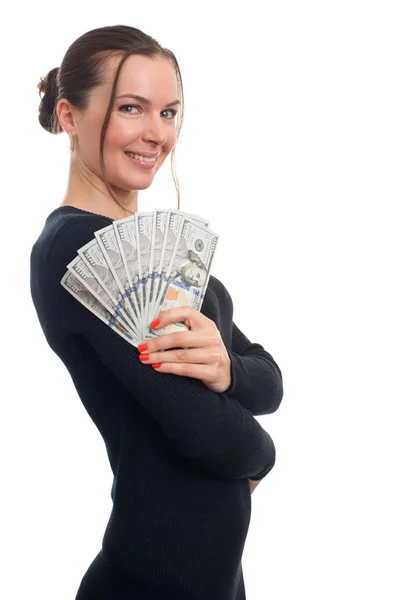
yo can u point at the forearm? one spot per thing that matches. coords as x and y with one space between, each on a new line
256 380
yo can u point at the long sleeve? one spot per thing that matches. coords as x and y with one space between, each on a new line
256 380
213 430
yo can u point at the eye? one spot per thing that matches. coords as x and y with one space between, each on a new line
171 110
121 108
126 106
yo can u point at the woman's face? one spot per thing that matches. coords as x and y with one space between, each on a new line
134 125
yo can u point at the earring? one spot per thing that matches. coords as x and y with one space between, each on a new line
72 145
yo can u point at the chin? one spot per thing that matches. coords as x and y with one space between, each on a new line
134 183
139 186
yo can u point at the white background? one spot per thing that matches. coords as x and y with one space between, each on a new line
290 148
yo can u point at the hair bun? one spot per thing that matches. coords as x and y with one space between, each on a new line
49 87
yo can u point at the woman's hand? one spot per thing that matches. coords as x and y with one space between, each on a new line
201 352
253 484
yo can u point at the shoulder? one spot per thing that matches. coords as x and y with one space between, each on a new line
65 234
62 236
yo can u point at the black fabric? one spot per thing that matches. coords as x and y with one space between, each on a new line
181 455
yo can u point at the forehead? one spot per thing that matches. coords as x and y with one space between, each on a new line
154 78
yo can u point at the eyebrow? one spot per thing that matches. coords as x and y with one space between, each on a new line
145 100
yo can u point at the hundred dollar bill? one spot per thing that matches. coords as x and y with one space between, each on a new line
144 227
161 251
82 294
125 231
108 243
188 269
158 231
94 258
83 274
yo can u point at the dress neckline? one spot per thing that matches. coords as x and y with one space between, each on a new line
69 207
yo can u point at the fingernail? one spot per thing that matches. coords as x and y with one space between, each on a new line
156 365
142 347
144 356
154 323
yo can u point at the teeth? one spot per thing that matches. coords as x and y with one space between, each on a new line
143 158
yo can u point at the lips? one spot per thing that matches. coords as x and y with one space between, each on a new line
144 154
145 164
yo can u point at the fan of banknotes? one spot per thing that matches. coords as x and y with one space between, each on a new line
138 266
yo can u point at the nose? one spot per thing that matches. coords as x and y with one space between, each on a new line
154 130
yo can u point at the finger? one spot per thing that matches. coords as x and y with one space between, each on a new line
202 356
203 372
180 339
192 318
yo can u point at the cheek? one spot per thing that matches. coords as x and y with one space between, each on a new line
169 145
172 139
91 131
120 135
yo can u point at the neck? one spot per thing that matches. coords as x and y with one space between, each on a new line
87 191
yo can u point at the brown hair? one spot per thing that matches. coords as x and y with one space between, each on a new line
82 69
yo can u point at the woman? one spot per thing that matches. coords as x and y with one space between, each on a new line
183 444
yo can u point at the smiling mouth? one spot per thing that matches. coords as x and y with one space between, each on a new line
146 164
142 158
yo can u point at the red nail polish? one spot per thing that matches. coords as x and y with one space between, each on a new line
142 347
156 365
154 323
144 356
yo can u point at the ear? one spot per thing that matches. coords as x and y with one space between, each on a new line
66 116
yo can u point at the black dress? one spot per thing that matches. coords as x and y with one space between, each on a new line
181 455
